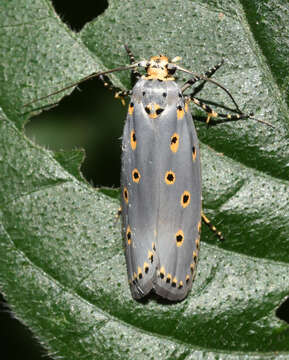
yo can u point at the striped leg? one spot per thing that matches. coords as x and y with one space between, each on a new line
207 74
117 216
119 94
212 227
130 54
135 75
214 114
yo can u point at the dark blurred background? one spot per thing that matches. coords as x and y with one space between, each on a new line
85 119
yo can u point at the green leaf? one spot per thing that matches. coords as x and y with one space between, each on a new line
71 161
62 267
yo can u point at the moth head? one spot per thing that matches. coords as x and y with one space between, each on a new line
160 67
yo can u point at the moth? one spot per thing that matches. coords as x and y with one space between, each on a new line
161 184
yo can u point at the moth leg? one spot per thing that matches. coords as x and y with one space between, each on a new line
213 114
117 216
212 227
135 75
119 94
207 74
130 54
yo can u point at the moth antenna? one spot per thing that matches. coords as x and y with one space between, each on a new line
261 121
91 76
212 81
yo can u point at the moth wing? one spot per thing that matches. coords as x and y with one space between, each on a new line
179 215
139 206
161 192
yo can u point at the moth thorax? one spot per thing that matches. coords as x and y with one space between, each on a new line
158 68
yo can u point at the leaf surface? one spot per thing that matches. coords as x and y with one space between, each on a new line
62 267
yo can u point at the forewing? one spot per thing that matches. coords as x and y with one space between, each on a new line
139 204
179 215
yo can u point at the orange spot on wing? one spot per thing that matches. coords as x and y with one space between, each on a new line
186 107
128 235
133 140
185 199
136 176
194 153
125 195
170 177
179 238
131 108
175 142
180 112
